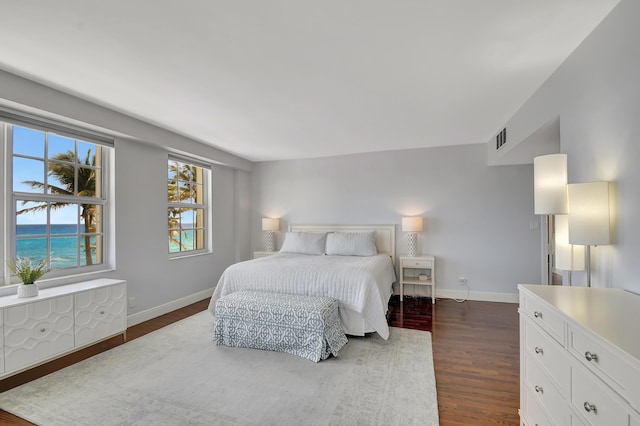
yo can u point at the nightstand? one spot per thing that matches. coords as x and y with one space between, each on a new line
258 254
413 267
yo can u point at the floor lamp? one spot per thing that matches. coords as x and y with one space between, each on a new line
568 257
589 217
550 192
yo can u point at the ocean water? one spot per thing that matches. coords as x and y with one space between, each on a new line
64 244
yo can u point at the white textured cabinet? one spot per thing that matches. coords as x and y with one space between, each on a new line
579 356
99 313
37 331
58 321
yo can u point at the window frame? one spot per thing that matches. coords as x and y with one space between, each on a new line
205 205
106 147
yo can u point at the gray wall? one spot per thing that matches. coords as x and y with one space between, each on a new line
157 283
477 217
596 95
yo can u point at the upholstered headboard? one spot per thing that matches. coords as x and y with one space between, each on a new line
385 234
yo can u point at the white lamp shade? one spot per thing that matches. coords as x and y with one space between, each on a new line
269 224
589 213
412 224
569 257
550 184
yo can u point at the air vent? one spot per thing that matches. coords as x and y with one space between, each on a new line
501 139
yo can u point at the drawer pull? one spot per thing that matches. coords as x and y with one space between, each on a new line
42 330
538 388
589 407
538 350
537 314
590 357
101 312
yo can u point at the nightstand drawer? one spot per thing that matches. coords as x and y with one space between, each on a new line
408 263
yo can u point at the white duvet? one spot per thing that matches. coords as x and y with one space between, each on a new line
361 284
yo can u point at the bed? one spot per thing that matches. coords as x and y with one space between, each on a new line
362 283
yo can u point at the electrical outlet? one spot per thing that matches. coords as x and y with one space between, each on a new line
132 302
462 280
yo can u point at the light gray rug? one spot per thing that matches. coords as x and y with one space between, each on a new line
178 376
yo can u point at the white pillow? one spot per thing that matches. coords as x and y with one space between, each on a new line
351 244
304 242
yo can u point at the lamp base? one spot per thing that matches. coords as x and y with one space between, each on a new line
271 244
412 244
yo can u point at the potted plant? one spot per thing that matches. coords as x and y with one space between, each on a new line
28 273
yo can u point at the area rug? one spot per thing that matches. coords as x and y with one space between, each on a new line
178 376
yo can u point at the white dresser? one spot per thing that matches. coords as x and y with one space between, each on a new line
579 356
58 321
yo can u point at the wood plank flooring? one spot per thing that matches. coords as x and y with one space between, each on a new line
475 350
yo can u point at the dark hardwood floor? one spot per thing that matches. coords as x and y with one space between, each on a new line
475 351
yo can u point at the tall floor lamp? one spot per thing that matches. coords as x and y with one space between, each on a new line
589 217
550 191
568 257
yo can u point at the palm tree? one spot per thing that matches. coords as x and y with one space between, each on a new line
64 171
182 173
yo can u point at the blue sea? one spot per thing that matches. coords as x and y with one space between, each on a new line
64 245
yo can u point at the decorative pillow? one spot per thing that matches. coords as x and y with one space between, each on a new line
351 244
304 242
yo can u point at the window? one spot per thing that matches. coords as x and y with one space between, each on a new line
58 203
187 211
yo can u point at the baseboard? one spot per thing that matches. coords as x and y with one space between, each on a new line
152 313
477 295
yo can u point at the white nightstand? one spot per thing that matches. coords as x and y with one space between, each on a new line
411 267
258 254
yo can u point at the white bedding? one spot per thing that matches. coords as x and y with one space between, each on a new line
360 284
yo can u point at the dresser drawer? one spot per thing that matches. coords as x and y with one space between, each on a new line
533 412
410 263
549 354
544 316
595 402
611 366
543 389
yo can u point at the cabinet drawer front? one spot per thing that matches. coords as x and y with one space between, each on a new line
611 367
37 331
597 404
551 356
99 313
417 263
533 413
544 316
543 389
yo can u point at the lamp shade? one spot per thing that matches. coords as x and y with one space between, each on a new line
550 184
412 224
568 257
589 214
269 224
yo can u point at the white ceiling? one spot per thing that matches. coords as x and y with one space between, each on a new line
282 79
